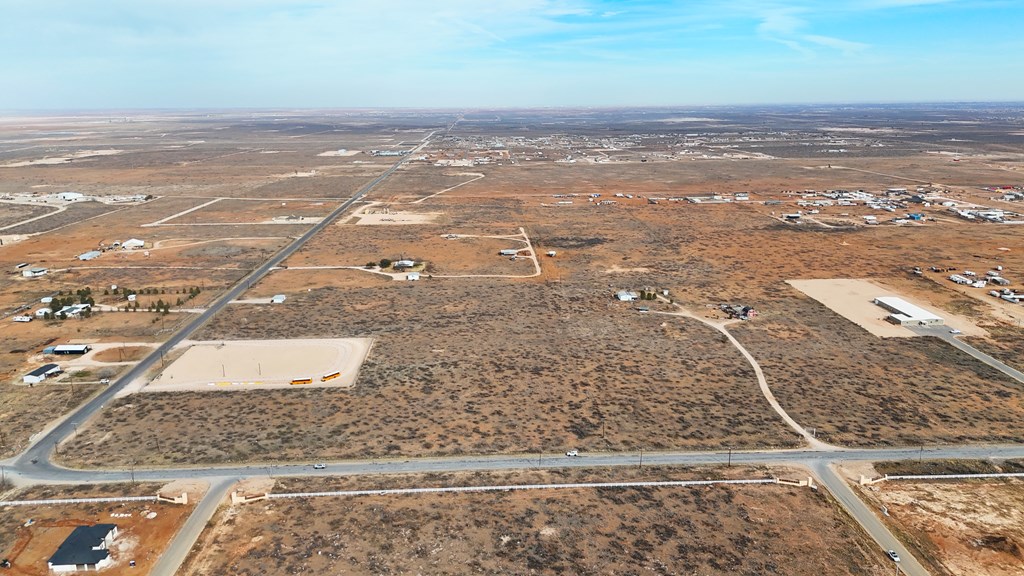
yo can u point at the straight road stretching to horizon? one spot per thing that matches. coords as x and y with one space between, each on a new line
38 453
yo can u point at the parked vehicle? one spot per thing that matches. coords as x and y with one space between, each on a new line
572 453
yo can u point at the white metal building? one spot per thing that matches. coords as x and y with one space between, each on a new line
904 313
39 374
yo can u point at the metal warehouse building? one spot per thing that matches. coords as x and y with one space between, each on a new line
904 313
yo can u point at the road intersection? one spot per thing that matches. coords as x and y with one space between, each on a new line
34 466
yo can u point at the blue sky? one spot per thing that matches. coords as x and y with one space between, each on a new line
473 53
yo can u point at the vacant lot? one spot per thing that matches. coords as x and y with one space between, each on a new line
25 411
144 532
972 528
234 211
15 213
748 530
451 373
855 388
74 213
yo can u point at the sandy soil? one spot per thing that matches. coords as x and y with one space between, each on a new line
714 530
242 365
853 299
376 215
115 353
967 528
144 532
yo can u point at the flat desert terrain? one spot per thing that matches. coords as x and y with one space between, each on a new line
699 530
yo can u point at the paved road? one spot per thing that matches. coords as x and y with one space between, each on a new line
943 333
864 516
49 473
38 454
177 551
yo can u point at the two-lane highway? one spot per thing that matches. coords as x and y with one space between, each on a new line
37 457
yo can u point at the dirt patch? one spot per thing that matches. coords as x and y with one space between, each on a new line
973 528
246 365
853 299
379 216
122 354
145 527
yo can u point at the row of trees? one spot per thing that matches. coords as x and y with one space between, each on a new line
645 295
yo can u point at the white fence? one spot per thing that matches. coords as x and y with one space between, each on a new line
512 487
76 501
953 476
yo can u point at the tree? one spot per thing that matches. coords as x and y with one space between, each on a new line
384 263
48 316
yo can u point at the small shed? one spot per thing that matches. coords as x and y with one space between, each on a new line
412 276
41 313
42 373
552 253
278 299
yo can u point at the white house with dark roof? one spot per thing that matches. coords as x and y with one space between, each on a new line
85 549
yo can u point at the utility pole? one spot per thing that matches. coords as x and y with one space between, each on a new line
730 457
641 458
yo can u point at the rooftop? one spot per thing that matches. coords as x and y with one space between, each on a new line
905 309
80 547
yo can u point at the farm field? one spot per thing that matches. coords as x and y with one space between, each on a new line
704 530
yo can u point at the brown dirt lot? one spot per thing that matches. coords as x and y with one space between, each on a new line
250 211
14 213
960 528
708 530
122 354
295 280
141 539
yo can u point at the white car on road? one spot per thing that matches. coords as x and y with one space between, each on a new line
572 453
